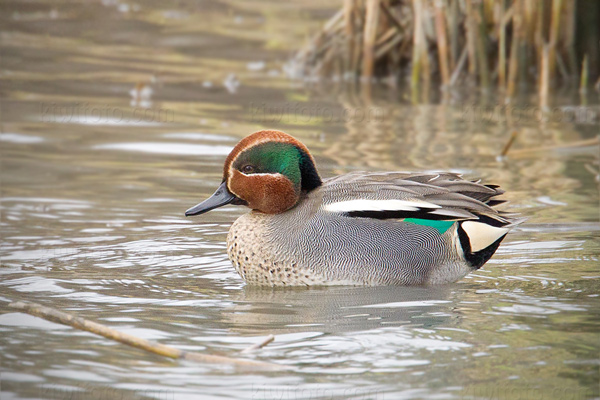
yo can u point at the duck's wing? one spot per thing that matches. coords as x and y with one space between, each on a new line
394 195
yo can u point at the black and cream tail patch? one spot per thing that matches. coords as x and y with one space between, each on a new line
480 241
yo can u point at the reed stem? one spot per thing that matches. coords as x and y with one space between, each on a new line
440 29
583 83
371 22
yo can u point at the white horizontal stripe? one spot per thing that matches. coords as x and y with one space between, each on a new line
261 174
379 205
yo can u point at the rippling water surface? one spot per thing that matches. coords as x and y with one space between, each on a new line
116 117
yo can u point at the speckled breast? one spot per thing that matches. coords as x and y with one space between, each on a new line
259 258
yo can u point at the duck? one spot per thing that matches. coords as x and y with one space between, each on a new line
359 228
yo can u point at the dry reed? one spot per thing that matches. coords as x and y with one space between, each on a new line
506 43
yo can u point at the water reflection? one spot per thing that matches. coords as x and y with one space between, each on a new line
331 310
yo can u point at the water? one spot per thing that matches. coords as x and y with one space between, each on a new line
95 181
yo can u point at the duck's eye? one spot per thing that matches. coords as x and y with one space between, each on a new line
248 169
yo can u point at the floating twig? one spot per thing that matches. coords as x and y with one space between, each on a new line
259 345
54 315
509 144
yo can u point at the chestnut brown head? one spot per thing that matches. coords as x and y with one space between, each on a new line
268 171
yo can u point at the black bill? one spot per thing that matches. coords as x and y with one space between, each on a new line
220 198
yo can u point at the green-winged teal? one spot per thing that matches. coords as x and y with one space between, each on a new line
360 228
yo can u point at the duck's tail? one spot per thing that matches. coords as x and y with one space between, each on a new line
480 240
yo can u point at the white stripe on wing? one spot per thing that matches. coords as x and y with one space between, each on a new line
379 205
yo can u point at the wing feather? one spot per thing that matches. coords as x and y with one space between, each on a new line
395 195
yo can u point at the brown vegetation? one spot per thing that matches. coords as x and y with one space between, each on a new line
503 43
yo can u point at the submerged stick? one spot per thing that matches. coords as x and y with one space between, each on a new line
260 345
60 317
509 144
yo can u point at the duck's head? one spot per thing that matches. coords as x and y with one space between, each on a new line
267 171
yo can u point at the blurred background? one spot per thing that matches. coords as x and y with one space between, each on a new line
116 117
